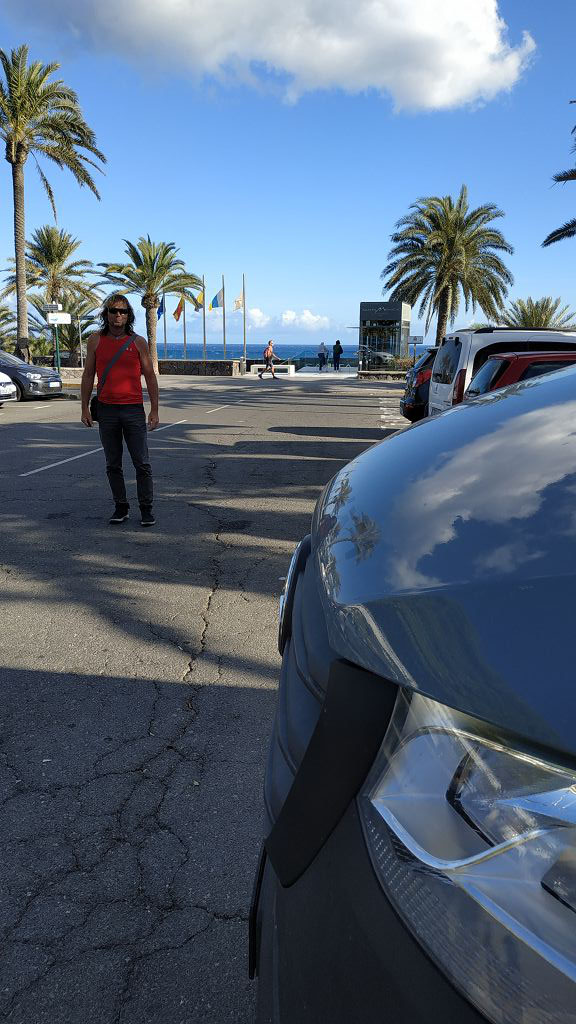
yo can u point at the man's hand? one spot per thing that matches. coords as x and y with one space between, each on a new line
153 420
86 418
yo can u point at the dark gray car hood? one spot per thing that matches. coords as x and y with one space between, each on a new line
447 558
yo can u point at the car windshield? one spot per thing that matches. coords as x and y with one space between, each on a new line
486 377
427 357
446 361
10 360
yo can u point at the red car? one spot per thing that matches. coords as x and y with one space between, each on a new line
511 367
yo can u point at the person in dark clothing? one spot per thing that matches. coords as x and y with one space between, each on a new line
121 415
337 351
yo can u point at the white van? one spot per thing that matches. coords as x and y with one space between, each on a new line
461 354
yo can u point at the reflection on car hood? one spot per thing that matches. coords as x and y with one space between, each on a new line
447 558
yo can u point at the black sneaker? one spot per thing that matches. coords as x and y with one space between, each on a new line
147 517
120 515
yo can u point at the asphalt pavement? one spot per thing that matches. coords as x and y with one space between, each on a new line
138 670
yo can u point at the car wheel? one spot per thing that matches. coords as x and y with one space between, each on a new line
19 392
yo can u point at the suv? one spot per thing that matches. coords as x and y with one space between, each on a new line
461 355
414 402
30 381
419 865
511 367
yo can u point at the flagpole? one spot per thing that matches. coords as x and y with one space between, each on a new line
223 316
244 314
164 315
184 323
204 319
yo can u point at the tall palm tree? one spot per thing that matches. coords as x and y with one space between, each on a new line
153 268
49 266
442 250
7 328
568 230
39 116
530 314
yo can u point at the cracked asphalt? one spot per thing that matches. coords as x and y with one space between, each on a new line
138 673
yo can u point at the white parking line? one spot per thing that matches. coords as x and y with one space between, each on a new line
91 452
217 409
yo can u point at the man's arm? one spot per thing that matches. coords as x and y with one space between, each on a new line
87 382
151 381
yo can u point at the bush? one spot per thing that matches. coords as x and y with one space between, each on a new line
402 363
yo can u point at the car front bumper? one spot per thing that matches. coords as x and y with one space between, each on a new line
42 388
328 947
331 948
7 394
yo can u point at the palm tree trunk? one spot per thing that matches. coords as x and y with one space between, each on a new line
151 321
444 309
22 342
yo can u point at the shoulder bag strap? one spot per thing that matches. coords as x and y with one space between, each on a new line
109 365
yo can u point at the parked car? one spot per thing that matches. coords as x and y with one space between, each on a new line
7 389
461 355
414 402
30 381
419 865
509 367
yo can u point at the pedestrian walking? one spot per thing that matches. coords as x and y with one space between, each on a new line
119 357
337 351
322 356
269 357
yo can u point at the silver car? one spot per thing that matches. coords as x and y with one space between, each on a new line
419 859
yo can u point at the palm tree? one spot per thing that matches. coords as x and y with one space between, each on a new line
49 266
567 230
153 268
443 249
39 116
7 328
531 314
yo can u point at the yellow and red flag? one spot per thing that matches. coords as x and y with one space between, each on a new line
178 311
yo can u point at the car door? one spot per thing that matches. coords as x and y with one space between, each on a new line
452 356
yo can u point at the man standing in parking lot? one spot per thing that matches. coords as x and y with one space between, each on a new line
120 357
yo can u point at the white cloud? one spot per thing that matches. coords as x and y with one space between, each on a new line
426 54
307 320
257 318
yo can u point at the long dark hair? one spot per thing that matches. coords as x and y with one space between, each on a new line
109 301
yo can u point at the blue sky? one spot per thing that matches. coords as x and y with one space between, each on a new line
289 153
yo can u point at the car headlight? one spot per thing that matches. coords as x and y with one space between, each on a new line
33 376
475 845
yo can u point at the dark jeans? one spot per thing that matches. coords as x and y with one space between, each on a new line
128 422
336 361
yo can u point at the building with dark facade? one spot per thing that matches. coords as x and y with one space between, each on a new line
384 332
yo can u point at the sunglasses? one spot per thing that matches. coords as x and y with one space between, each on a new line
117 310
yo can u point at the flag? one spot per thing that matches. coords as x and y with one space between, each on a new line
200 300
218 300
160 309
239 302
178 311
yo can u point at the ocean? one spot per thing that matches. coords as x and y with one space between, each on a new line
174 350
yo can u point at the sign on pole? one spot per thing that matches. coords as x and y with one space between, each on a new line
52 307
58 318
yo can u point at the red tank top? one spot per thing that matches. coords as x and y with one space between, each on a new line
122 385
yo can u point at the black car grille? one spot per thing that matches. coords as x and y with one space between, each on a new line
303 682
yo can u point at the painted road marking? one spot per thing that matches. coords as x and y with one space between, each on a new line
217 409
91 452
